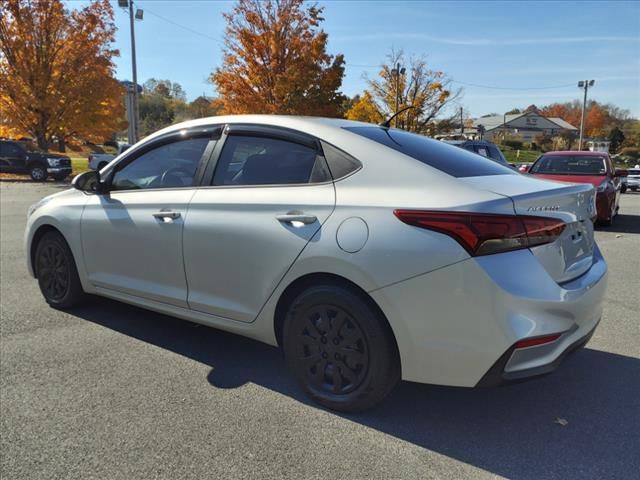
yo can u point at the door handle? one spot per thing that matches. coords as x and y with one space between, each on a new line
297 219
166 214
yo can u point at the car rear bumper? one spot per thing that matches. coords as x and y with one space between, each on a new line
454 325
59 170
500 374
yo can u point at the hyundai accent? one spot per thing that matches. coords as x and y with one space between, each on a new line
368 254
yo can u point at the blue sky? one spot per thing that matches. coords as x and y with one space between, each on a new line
516 46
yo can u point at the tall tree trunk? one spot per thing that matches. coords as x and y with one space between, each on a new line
61 145
41 140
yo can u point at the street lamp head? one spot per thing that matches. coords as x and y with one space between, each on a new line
591 82
402 71
139 14
123 3
580 84
394 71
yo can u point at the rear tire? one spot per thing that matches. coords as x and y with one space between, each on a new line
38 173
340 348
57 273
59 178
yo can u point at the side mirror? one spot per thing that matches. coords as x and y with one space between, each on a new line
88 182
621 173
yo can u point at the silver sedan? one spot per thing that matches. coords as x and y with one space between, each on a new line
367 253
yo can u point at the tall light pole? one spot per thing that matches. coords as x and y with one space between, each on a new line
585 84
134 132
396 72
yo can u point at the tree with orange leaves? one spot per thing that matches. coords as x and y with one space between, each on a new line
56 71
276 61
427 91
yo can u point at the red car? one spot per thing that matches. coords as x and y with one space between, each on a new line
595 168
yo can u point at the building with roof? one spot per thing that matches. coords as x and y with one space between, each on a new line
521 126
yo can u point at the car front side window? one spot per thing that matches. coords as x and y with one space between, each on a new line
171 165
255 160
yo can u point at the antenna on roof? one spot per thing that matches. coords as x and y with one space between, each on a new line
387 122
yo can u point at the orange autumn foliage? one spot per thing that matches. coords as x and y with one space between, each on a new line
275 61
56 71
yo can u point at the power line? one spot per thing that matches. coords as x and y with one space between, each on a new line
511 88
184 27
492 87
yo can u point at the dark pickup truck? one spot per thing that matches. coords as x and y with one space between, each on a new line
24 157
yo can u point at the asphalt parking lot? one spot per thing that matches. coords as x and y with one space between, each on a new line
113 391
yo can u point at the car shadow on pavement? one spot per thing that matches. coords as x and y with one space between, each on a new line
624 224
515 431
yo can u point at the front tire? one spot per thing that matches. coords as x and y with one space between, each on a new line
340 348
57 273
38 173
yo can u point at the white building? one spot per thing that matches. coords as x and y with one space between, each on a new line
523 126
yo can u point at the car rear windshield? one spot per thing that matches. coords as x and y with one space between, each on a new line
454 161
570 165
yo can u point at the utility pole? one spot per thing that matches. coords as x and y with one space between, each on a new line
135 73
585 84
396 72
461 123
504 127
133 117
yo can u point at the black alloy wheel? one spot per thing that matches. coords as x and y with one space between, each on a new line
340 347
53 272
333 349
56 271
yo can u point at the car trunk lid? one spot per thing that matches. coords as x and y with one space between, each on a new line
571 254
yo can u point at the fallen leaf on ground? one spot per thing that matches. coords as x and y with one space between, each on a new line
561 421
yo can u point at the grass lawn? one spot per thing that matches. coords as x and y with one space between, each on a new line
526 156
79 165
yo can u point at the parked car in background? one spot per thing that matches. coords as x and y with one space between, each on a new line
595 168
26 157
482 147
632 180
97 161
369 254
524 167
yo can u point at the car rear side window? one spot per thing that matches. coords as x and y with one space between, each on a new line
449 159
340 163
259 160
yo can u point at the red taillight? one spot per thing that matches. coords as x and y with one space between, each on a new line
532 342
484 233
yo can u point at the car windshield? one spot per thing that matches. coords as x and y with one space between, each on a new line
31 147
570 165
633 172
449 159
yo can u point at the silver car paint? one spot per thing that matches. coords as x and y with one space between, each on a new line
452 315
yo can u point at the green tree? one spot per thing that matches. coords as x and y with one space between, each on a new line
156 112
616 137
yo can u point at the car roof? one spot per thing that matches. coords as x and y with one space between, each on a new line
577 152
